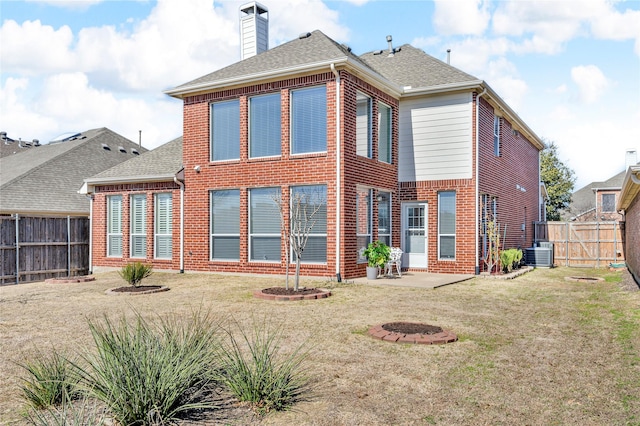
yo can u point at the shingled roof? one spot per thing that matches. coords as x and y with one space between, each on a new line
46 180
161 163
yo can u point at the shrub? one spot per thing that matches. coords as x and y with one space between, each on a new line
150 373
377 254
134 273
255 372
68 414
51 380
510 259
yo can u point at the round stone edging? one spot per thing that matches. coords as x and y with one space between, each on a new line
584 279
286 298
112 292
441 338
69 280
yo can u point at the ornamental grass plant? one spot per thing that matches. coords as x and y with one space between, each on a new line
135 272
149 373
256 372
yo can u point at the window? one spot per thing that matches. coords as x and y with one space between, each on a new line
264 126
496 135
225 225
363 125
447 225
225 130
264 225
363 220
384 217
309 120
138 225
384 133
114 225
608 202
163 226
311 198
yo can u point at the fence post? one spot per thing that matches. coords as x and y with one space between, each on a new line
68 246
17 251
598 244
566 243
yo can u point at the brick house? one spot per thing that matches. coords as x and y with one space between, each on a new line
629 205
392 145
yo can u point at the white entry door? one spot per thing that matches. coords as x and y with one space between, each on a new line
414 235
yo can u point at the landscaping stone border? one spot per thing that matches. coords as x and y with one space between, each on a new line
441 338
286 298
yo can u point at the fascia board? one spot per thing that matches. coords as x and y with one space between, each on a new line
630 189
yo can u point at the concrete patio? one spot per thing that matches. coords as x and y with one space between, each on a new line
416 279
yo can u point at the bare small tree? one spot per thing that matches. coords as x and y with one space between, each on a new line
492 255
302 210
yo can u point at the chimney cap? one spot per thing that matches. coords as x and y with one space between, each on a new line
253 7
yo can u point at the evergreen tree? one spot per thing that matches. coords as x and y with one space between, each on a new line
558 179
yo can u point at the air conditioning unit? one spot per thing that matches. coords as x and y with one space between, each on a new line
539 256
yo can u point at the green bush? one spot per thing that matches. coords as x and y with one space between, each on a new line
255 372
510 259
377 254
134 273
50 380
150 373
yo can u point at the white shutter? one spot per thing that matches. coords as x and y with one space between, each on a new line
163 226
138 225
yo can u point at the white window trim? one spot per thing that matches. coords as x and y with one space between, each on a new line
249 137
291 141
110 199
211 141
133 234
156 234
440 234
212 235
251 234
389 140
360 97
389 204
497 142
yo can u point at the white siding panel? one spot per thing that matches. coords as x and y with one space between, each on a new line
435 138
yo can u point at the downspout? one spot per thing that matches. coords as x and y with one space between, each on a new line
338 174
91 197
477 220
181 185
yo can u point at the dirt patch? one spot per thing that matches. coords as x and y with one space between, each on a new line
68 280
409 332
284 294
584 279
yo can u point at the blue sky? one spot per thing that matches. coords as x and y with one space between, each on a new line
570 69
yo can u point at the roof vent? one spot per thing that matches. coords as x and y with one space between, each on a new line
121 149
347 48
36 142
106 147
3 135
304 35
378 52
135 151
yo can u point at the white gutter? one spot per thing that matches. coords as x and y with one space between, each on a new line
477 220
181 185
338 174
90 234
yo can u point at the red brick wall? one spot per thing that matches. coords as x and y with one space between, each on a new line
99 224
283 172
517 167
632 238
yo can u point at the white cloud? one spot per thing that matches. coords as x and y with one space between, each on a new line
68 4
591 82
461 17
474 54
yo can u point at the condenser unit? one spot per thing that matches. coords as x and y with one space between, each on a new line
539 256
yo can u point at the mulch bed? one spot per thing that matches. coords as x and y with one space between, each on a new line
283 294
143 289
410 332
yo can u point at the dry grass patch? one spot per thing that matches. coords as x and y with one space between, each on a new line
533 350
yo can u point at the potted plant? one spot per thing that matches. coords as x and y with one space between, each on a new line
377 254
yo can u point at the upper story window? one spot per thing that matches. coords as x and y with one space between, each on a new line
264 126
225 130
496 135
114 225
309 120
363 125
384 133
608 202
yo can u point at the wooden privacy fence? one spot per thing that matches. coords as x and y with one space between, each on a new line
37 248
590 244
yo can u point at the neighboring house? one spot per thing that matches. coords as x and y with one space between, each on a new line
597 201
629 203
10 146
392 145
137 210
44 181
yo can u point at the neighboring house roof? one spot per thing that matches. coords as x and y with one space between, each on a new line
408 72
45 180
583 200
10 147
158 165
